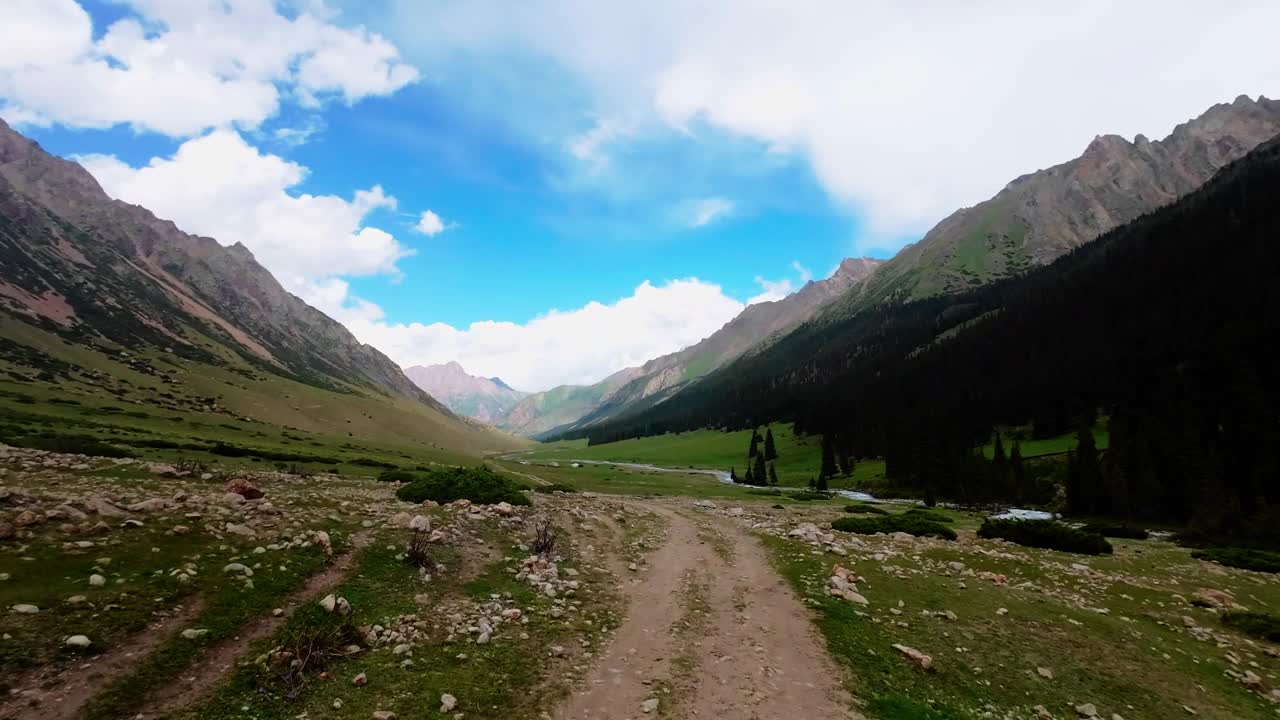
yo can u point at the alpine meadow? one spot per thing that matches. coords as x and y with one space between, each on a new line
595 361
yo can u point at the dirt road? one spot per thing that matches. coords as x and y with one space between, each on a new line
711 632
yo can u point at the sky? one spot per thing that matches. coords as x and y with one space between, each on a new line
552 190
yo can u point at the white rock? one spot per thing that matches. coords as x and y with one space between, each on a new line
97 580
25 609
78 641
649 705
193 633
448 703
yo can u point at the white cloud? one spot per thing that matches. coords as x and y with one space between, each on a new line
904 111
576 346
708 210
220 186
590 146
430 224
771 290
181 67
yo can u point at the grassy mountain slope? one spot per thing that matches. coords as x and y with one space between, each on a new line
105 305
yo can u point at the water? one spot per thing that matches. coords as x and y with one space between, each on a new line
722 476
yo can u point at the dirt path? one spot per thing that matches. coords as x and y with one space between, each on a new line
708 618
63 695
216 665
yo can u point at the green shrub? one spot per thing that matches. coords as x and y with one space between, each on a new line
71 445
865 508
398 476
928 514
768 493
905 522
1243 558
1116 530
1259 625
555 487
480 485
1048 534
370 462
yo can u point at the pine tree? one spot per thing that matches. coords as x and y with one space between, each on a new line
755 440
733 475
759 476
1089 472
822 483
999 469
828 459
770 450
773 474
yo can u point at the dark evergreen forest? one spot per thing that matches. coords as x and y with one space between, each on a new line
1166 326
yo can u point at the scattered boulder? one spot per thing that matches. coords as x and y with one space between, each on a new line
917 658
25 609
78 641
448 703
244 489
1087 710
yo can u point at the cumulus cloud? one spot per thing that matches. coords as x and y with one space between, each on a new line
430 224
178 68
583 345
220 186
709 210
904 111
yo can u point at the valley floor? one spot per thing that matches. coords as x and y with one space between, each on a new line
130 589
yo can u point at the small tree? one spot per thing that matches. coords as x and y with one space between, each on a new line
755 441
773 474
999 469
733 475
822 483
759 475
1018 470
770 450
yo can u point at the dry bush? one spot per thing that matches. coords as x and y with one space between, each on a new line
544 538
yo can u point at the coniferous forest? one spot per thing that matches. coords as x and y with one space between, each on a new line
1163 327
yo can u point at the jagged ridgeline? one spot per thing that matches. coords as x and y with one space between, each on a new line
101 300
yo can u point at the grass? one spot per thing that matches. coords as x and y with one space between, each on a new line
799 456
618 480
1131 655
509 677
228 606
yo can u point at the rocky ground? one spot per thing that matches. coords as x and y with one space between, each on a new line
133 589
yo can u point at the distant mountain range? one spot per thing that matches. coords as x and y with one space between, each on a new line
1034 220
569 406
84 278
485 399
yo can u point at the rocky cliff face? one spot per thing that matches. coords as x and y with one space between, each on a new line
1045 214
483 399
90 267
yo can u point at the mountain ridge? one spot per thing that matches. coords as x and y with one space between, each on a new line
483 399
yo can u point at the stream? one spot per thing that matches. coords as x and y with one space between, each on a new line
722 476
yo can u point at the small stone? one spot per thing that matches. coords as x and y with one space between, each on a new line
1087 710
649 705
360 680
383 715
25 609
1045 673
193 633
917 658
78 641
448 703
329 602
97 580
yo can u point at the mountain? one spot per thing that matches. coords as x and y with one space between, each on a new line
1035 219
572 406
483 399
1042 215
540 412
86 280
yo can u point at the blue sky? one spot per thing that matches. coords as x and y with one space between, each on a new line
607 182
